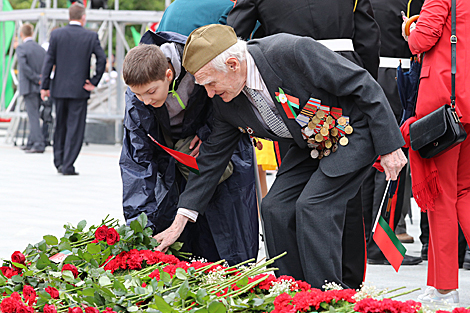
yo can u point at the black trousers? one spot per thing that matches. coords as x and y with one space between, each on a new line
305 213
69 131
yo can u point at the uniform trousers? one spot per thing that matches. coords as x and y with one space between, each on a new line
69 131
451 207
304 213
35 139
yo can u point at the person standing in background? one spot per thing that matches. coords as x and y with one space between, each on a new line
184 16
441 184
393 50
30 58
346 27
70 50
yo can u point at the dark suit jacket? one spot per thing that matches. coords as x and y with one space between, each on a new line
70 49
30 58
319 19
303 68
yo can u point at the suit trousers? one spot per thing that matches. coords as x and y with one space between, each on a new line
450 209
304 214
35 139
69 131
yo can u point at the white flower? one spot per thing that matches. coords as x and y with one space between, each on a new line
282 98
331 286
369 291
279 287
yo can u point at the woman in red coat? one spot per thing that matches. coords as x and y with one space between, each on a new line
441 185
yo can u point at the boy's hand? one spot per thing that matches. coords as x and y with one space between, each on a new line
195 143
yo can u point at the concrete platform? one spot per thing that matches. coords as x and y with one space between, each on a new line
35 200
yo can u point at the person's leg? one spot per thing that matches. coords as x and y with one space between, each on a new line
320 216
76 122
35 139
463 187
61 110
279 216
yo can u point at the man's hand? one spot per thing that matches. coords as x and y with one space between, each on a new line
393 163
195 143
88 86
412 27
168 237
45 93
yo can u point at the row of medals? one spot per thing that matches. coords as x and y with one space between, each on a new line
324 147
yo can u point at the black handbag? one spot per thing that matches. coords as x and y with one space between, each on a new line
441 129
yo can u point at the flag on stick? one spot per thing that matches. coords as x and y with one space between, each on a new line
386 239
187 160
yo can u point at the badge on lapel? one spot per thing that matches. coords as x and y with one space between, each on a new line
288 103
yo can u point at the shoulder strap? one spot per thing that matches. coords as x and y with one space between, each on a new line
453 44
180 49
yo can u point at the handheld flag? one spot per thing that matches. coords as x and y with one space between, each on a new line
187 160
386 239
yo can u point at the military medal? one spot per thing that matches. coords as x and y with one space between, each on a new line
241 130
326 152
342 121
249 130
324 131
328 144
334 132
318 138
314 153
343 141
348 129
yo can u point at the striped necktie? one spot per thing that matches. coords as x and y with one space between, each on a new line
277 125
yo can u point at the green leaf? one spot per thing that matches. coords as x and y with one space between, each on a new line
242 282
104 281
81 225
43 261
201 310
201 296
71 258
119 286
133 308
87 256
183 290
42 245
51 240
93 248
181 274
88 292
217 307
162 305
3 280
68 276
165 277
19 265
136 227
65 244
256 302
143 220
17 279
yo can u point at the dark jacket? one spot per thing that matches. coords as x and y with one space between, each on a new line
319 19
152 183
70 50
314 71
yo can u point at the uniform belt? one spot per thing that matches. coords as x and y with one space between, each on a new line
338 44
394 62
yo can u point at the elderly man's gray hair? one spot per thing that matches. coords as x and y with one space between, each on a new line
238 51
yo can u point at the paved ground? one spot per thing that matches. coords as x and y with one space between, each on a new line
35 201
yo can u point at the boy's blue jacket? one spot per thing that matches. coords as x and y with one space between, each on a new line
152 183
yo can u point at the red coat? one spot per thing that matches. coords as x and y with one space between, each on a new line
432 35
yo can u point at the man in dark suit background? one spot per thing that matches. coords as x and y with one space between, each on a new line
347 27
305 209
70 50
30 58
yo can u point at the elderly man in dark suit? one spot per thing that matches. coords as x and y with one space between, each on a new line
30 58
273 88
347 27
70 50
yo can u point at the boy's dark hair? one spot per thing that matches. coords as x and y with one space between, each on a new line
27 29
76 11
144 64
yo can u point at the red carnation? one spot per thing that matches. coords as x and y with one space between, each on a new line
49 308
8 271
53 292
29 295
75 310
155 274
73 269
9 305
109 310
18 257
112 236
101 233
91 309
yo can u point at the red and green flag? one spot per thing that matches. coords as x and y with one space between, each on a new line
388 243
185 159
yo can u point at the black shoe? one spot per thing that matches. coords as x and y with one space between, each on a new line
24 148
32 150
377 261
410 260
466 260
424 251
70 174
59 169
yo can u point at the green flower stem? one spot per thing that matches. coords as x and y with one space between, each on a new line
393 290
404 293
246 288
